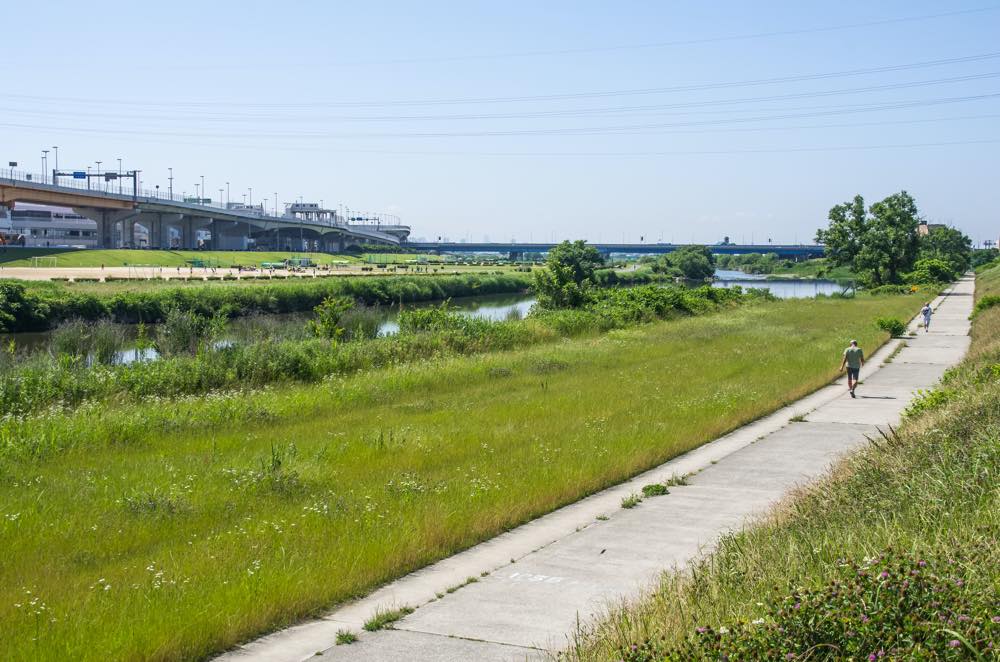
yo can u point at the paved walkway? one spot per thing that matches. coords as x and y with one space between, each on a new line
546 576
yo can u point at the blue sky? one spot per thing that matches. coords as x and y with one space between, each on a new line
526 120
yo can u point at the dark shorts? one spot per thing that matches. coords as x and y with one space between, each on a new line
852 373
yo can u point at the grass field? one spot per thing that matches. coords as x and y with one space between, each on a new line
184 527
893 556
123 257
817 268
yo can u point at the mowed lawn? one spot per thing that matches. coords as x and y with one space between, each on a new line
188 536
123 257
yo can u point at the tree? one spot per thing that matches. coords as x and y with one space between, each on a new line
948 245
694 262
569 275
880 245
842 239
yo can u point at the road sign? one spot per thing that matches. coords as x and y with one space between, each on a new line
79 174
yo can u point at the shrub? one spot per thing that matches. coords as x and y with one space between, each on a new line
986 302
328 322
894 326
931 270
186 332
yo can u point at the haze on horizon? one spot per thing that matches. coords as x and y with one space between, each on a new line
534 121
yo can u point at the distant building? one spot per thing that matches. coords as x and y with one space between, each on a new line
925 228
45 226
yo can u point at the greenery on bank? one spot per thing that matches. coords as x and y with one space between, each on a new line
174 529
893 556
882 244
771 264
33 308
343 341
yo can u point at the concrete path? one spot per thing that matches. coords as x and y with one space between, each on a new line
536 583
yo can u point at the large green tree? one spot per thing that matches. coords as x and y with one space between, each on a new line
948 245
880 244
569 275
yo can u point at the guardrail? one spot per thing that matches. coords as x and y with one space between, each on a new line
116 189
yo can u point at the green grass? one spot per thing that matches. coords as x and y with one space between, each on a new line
175 529
123 257
895 550
815 268
384 618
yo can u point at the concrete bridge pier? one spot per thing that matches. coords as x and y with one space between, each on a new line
106 221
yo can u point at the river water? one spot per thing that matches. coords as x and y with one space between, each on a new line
492 307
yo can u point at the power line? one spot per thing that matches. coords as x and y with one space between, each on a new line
665 44
175 104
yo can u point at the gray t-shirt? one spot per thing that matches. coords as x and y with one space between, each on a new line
854 356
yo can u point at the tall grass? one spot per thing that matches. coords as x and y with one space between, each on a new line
893 556
191 361
174 529
36 308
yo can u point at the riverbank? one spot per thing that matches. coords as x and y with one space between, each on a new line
892 555
219 518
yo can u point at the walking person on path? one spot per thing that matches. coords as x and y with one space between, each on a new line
854 358
927 312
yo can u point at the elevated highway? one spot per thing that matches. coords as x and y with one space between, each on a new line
788 251
174 223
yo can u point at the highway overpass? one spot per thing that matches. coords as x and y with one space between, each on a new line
788 251
173 222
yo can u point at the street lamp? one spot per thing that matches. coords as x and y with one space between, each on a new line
227 195
55 148
203 192
119 175
45 165
99 172
170 188
220 197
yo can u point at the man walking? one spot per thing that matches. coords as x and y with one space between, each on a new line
854 358
927 312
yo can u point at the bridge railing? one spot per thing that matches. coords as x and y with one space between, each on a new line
124 190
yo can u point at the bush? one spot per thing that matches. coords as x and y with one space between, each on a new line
986 302
931 270
894 326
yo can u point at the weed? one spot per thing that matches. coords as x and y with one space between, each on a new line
654 490
384 618
631 501
345 637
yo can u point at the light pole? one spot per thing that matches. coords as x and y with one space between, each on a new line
227 195
170 186
45 165
220 197
276 203
197 193
99 172
119 175
203 192
250 196
55 148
